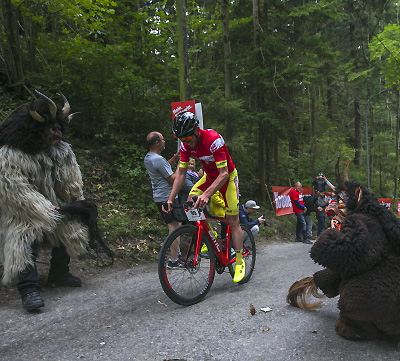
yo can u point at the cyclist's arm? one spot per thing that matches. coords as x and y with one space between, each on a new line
223 177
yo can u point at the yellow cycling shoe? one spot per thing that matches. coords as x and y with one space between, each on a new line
204 248
239 272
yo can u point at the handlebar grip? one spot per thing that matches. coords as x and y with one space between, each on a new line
191 203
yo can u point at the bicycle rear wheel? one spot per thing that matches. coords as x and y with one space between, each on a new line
249 255
188 283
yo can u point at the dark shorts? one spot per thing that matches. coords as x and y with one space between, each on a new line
168 218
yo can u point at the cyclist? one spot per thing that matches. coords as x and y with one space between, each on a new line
220 174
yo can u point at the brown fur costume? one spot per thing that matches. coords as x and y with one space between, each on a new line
362 266
33 182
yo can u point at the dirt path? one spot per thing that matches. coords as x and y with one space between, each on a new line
123 314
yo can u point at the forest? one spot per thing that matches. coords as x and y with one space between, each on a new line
290 84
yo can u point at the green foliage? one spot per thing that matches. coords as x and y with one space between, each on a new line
384 50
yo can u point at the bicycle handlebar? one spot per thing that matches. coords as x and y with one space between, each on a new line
205 210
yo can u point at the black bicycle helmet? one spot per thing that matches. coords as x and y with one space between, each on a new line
184 124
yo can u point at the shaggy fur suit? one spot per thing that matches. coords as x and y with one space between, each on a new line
30 184
362 266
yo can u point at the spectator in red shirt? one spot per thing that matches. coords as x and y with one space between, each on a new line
299 208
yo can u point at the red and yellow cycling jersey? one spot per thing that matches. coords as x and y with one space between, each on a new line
211 150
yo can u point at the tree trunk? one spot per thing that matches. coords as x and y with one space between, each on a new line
292 131
224 12
276 157
259 104
13 54
329 98
371 141
313 132
184 88
29 27
396 167
357 132
356 104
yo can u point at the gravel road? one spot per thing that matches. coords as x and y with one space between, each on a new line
124 315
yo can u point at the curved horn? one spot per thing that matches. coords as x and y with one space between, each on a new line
345 173
66 106
358 193
35 115
53 106
339 180
71 116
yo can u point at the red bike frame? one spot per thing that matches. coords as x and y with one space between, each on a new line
222 255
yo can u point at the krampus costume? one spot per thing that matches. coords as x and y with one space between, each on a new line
39 174
362 266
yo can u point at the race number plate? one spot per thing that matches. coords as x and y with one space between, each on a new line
194 214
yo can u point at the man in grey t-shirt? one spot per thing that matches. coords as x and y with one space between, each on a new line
160 171
162 177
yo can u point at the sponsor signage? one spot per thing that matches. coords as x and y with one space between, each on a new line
186 106
387 202
283 204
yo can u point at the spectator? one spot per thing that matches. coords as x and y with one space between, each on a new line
162 177
200 173
298 208
309 202
330 198
319 183
320 204
191 172
40 177
244 216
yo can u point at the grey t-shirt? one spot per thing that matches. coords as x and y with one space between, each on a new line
159 170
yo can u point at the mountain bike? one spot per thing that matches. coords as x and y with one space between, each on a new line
188 280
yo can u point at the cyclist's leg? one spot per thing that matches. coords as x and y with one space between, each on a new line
200 186
237 233
231 195
230 192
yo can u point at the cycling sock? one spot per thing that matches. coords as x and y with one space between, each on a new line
239 256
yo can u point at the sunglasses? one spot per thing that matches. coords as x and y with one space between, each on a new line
185 139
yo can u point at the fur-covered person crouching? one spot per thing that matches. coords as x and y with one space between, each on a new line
362 266
38 174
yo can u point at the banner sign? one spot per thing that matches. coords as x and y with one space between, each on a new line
386 202
186 106
283 204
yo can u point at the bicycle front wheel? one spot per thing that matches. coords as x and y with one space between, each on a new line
249 255
187 280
